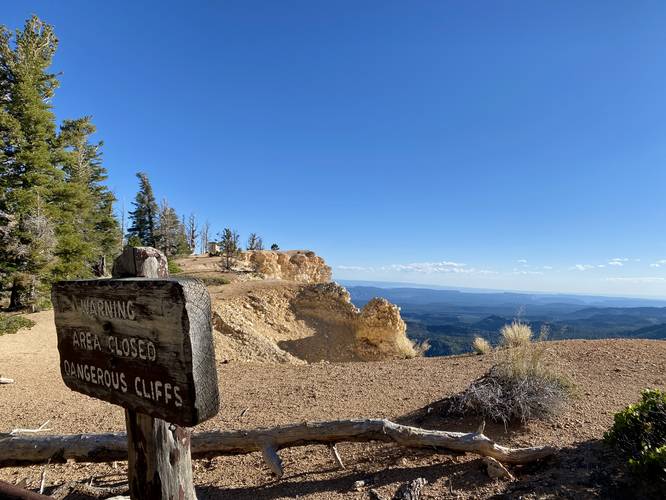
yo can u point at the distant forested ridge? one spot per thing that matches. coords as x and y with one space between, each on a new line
56 213
450 319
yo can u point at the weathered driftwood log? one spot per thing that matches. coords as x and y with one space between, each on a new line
4 380
17 450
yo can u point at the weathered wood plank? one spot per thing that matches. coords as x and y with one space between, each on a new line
145 344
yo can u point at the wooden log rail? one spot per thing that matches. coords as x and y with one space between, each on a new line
20 450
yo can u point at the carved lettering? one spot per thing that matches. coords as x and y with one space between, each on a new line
101 308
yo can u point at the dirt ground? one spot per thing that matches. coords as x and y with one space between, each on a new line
608 375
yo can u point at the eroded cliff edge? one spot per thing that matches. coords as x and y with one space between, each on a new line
281 307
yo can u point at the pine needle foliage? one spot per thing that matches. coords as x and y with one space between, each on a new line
56 214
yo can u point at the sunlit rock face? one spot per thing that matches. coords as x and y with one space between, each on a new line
301 266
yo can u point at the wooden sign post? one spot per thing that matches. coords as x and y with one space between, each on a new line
143 341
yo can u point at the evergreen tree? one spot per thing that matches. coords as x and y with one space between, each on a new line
87 229
29 177
145 214
229 245
170 234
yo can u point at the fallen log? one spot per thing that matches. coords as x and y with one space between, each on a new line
4 380
24 450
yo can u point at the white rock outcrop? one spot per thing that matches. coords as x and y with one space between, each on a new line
301 266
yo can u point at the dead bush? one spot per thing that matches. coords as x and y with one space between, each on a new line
520 386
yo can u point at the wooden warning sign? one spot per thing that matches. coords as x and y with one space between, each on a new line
145 344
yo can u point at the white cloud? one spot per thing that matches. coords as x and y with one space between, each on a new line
643 279
436 267
354 268
659 263
582 267
548 268
523 272
522 261
618 262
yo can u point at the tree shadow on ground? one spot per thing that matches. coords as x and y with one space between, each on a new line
298 485
588 469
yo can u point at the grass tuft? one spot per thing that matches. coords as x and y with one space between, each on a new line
12 324
481 346
516 334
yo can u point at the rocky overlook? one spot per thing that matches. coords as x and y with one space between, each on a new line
281 307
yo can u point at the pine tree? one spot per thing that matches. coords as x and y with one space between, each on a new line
229 244
29 177
145 214
87 229
170 233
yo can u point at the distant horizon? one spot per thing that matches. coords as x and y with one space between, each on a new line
399 284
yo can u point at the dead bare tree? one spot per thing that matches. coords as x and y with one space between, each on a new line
23 450
192 232
203 237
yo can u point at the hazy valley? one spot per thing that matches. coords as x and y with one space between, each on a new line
450 319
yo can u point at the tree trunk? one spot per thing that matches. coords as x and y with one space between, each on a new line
19 298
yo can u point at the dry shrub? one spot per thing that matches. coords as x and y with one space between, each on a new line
481 346
516 334
518 387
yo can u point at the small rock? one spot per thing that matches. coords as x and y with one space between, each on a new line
359 485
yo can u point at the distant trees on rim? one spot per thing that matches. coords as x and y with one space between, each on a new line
144 216
159 227
254 242
229 246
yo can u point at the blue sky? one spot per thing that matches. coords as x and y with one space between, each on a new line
516 145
